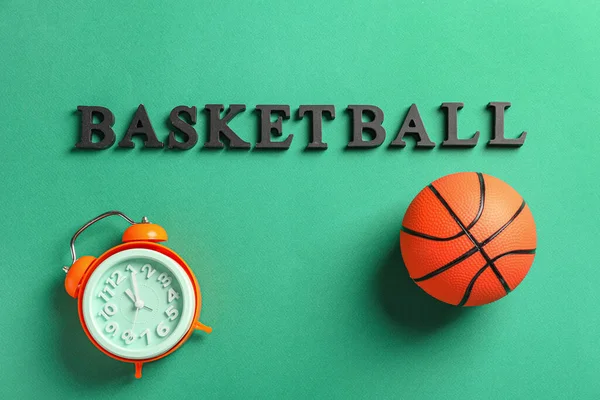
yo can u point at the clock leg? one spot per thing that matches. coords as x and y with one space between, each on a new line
138 369
201 327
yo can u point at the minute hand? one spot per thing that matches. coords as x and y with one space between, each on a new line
135 287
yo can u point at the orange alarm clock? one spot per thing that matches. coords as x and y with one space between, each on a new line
139 301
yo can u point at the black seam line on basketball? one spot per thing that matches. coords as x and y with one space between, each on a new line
471 237
466 255
469 252
461 233
499 231
520 251
469 288
451 264
429 237
481 200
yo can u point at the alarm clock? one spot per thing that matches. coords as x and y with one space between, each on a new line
139 301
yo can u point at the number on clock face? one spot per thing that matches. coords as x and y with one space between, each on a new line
115 280
172 295
138 305
146 333
162 330
108 311
112 327
164 279
128 336
149 270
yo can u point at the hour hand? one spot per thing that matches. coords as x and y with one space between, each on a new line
129 294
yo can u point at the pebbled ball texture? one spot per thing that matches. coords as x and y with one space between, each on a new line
468 239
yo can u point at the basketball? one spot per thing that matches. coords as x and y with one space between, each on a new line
468 239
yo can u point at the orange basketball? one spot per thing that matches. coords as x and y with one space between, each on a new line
468 239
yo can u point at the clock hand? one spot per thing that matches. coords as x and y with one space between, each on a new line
137 310
135 287
129 294
139 303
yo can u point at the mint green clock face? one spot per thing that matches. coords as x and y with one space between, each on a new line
138 304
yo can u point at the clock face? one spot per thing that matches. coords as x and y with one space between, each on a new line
138 304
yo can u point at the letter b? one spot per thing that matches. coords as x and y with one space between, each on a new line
102 128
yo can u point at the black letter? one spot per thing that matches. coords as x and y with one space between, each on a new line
452 139
185 128
267 127
103 128
218 127
413 125
498 138
316 133
373 126
140 125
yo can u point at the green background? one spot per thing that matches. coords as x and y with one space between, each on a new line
297 252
